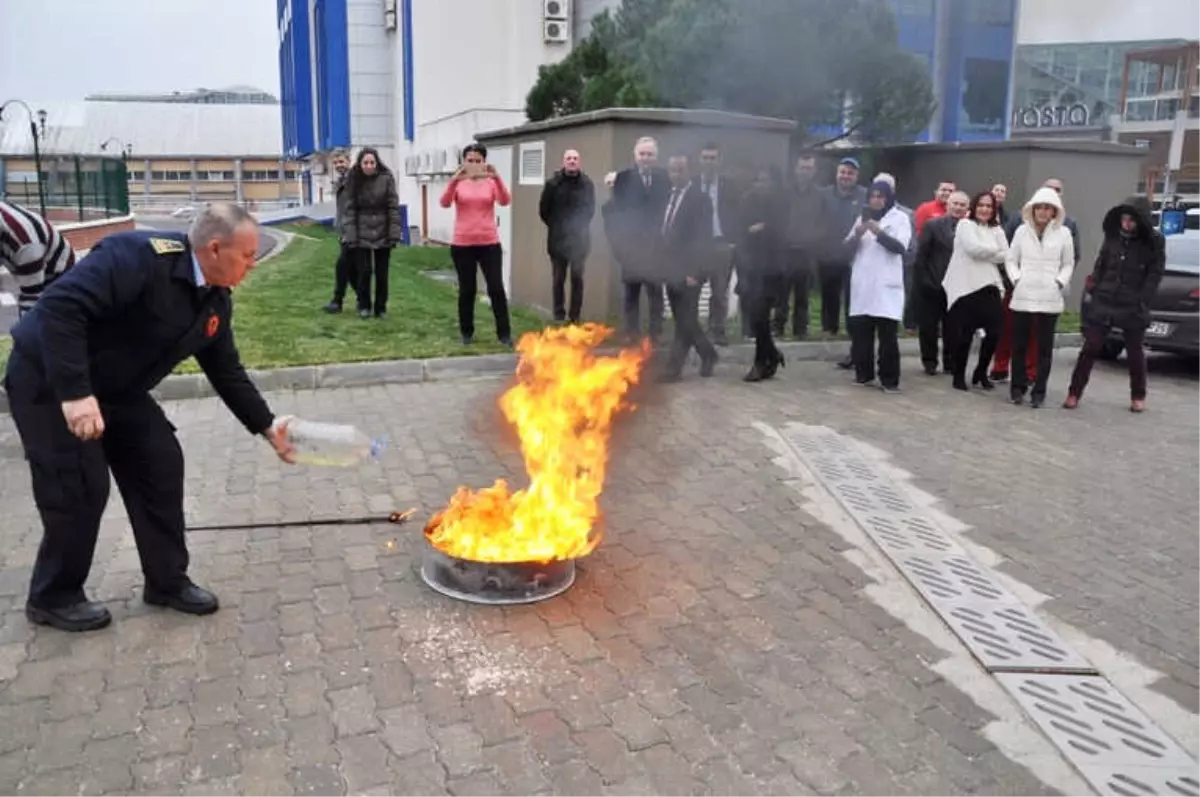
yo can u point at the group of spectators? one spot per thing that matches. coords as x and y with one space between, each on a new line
957 268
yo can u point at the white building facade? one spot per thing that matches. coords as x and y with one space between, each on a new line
417 79
1070 59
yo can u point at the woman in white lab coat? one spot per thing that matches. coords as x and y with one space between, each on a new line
878 241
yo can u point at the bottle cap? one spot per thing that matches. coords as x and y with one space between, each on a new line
377 447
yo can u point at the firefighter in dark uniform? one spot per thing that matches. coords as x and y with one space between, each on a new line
83 364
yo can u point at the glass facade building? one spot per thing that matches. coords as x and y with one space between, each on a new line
1077 86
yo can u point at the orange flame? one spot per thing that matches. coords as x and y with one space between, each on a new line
563 407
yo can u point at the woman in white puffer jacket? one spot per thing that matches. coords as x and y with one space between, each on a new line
1040 261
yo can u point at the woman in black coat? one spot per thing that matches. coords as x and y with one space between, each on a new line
371 227
760 278
1122 286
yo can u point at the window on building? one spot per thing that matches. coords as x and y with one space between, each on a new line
532 163
157 176
914 8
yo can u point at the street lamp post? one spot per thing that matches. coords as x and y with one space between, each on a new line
37 150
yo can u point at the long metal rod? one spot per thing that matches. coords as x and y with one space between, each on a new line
395 518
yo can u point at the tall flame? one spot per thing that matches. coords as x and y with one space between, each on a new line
563 407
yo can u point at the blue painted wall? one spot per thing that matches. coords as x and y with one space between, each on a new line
978 69
332 74
406 33
295 77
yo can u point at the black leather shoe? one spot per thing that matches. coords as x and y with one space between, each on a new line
190 599
707 366
82 616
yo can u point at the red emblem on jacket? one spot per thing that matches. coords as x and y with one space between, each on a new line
214 324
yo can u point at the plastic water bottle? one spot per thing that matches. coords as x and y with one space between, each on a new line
335 445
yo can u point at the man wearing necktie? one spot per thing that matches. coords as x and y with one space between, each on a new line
631 222
724 197
83 364
685 245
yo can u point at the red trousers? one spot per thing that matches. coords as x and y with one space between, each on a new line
1004 350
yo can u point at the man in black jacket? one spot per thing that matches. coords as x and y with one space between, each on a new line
343 271
935 245
631 219
686 240
83 364
725 198
567 206
1125 279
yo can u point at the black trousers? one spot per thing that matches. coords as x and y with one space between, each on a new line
864 329
562 267
468 262
344 274
720 275
373 262
983 309
1024 327
1094 336
71 487
761 299
930 312
800 268
689 334
632 307
835 288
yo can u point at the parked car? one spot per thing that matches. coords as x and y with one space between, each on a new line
1175 312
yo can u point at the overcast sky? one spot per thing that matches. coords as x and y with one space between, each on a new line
55 50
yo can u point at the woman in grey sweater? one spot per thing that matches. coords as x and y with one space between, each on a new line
371 227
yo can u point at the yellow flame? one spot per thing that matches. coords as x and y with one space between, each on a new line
562 406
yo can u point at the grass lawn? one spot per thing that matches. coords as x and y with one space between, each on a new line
278 318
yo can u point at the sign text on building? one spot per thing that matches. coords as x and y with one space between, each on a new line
1076 115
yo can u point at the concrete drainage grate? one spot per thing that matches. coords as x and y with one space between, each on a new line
1112 744
1143 780
952 578
1106 737
1008 637
900 535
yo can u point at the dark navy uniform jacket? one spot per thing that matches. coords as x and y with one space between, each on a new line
121 320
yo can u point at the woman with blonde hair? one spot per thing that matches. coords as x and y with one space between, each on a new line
1040 262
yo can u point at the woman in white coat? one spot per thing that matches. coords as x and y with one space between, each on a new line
1040 261
878 240
973 285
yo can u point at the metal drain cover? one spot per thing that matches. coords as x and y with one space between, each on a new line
903 535
1143 780
1116 747
1009 636
951 578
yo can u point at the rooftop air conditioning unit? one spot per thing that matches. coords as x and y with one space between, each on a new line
556 9
426 164
454 157
439 162
555 31
410 165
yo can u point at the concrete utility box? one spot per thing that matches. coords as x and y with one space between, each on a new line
1095 175
605 139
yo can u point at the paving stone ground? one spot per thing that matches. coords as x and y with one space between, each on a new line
716 643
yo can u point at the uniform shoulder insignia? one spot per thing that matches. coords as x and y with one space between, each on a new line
167 246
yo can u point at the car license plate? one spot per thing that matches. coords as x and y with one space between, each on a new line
1158 329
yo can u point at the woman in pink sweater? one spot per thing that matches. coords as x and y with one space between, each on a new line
475 190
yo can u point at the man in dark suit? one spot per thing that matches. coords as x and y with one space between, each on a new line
686 249
632 216
725 198
935 245
83 364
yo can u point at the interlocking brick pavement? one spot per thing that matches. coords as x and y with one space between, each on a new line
717 642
